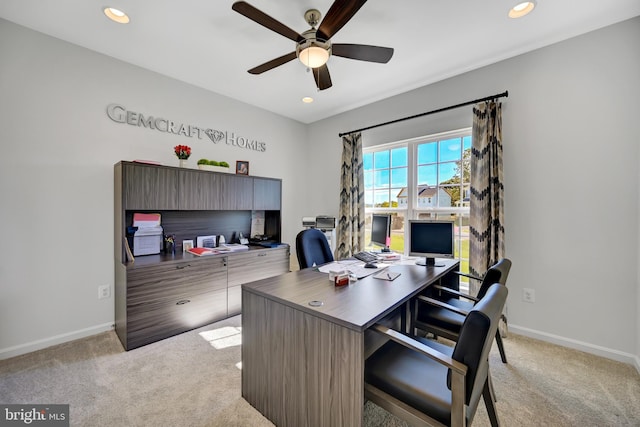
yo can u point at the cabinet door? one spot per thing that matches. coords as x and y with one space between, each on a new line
267 194
236 192
168 299
200 190
149 187
250 266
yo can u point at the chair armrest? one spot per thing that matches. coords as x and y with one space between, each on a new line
417 346
441 304
470 276
458 371
454 292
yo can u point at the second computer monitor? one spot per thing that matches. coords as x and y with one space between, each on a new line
381 231
431 239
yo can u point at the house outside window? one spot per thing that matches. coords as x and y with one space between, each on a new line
421 178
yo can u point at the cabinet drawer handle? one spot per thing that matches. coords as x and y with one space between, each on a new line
181 267
183 302
262 254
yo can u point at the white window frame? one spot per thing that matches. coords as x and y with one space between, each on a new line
411 211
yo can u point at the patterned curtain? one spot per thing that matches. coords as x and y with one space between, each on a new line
351 219
486 244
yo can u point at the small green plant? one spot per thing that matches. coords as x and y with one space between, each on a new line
213 163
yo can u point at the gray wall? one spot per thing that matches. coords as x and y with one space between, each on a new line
570 127
56 174
570 134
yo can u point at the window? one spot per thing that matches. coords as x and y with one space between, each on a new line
423 178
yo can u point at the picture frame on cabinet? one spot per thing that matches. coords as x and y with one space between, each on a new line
186 245
242 167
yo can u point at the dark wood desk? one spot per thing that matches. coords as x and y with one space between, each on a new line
304 365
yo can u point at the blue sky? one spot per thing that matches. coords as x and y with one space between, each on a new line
387 170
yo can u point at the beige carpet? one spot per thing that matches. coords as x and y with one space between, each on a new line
193 380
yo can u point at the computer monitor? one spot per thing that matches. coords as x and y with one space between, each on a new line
431 239
381 231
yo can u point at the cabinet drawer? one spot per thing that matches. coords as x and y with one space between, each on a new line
167 299
170 282
150 323
256 265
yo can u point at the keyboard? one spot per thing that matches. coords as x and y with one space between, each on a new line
365 256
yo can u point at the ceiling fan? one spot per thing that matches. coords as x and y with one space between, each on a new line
314 47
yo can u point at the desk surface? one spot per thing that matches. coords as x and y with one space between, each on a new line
356 306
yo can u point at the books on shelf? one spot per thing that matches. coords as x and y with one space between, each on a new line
147 162
202 251
222 249
232 247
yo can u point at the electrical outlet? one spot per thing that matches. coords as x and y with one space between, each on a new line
528 295
104 291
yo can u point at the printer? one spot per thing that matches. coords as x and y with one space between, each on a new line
147 239
324 223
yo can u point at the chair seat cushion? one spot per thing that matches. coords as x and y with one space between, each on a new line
442 317
411 377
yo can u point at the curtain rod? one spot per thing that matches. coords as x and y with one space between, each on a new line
451 107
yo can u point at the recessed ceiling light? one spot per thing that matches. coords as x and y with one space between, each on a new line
307 100
116 15
521 9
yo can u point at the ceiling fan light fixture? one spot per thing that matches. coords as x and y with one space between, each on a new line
522 8
313 56
116 15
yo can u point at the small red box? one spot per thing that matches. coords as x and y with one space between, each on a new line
342 280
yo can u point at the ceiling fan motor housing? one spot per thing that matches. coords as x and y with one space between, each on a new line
311 40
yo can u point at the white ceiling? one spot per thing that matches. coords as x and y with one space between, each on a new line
207 44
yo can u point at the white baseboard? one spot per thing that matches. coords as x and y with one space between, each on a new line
18 350
597 350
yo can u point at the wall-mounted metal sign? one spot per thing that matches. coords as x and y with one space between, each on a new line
120 114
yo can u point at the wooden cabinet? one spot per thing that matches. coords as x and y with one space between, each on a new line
267 194
250 266
161 295
169 298
149 187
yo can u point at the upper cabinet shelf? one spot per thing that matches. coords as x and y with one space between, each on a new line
151 187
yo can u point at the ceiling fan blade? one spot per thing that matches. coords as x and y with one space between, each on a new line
265 20
273 63
322 77
363 52
340 13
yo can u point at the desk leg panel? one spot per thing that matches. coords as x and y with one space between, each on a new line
298 369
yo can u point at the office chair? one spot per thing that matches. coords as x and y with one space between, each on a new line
428 383
443 316
312 248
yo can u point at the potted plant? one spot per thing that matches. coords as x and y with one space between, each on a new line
213 165
182 153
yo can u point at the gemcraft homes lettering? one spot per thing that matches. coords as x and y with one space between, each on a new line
120 114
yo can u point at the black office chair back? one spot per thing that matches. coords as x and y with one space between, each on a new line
312 248
474 342
497 273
